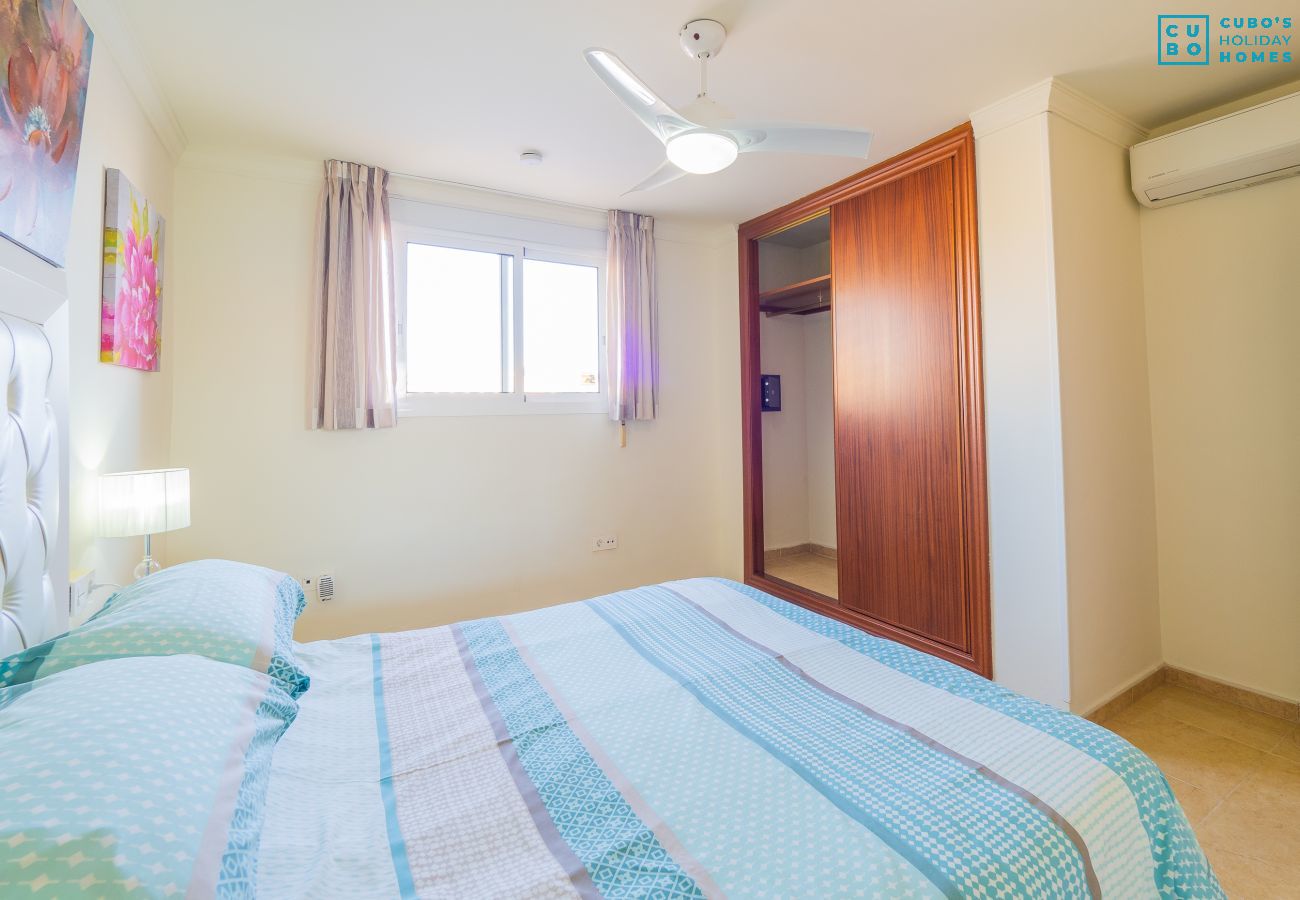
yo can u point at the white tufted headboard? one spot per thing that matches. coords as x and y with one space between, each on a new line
29 487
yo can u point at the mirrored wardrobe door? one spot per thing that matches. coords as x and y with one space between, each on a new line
797 407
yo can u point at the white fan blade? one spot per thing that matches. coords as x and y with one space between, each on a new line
654 114
802 139
663 175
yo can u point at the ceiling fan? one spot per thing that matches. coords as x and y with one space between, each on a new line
704 137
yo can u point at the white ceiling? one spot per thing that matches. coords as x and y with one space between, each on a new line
457 90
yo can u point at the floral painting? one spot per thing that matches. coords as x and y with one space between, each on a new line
130 334
45 48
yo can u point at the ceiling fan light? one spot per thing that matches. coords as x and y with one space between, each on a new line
702 152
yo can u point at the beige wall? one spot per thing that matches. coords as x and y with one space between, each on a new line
444 518
1143 429
798 441
1022 416
120 419
1110 514
1222 279
1071 502
785 434
819 400
779 265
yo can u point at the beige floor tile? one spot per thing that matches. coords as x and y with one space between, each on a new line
1252 879
1243 802
1142 712
1279 779
1267 843
1261 818
790 571
823 583
808 570
1196 802
1208 761
1216 716
1289 746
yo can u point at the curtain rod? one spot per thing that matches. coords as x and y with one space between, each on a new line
511 194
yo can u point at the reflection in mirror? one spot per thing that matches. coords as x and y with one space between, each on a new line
798 403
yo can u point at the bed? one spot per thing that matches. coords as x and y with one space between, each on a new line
692 738
699 738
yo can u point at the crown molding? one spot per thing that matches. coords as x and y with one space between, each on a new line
1071 104
1051 95
1010 110
113 32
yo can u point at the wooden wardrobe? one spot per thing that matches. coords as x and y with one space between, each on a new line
909 492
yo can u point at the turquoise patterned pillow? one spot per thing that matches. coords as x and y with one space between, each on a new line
231 612
141 776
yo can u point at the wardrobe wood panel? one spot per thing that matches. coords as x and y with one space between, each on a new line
915 497
898 409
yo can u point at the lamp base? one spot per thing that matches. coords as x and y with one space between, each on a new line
148 565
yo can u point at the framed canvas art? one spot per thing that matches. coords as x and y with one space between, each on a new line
45 50
130 331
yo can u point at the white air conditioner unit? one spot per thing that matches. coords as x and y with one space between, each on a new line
1224 154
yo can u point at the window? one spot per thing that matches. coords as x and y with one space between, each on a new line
561 327
456 302
489 328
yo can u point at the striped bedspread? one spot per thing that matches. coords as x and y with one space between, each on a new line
699 738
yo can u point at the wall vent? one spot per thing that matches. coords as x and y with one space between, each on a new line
325 586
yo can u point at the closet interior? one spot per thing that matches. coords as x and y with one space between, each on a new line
795 300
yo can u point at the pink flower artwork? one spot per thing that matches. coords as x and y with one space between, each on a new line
45 63
130 333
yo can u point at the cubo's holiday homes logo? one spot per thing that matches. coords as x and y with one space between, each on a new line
1186 40
1183 40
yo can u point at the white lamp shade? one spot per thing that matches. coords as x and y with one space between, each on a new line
148 502
702 152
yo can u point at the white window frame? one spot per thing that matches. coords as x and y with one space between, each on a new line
514 401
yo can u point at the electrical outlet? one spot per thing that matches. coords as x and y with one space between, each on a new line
318 587
608 542
79 590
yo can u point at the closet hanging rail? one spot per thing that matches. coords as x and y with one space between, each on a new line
798 299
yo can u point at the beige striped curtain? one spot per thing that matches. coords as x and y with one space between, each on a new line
354 319
632 320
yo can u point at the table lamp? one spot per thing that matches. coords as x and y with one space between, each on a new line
144 503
